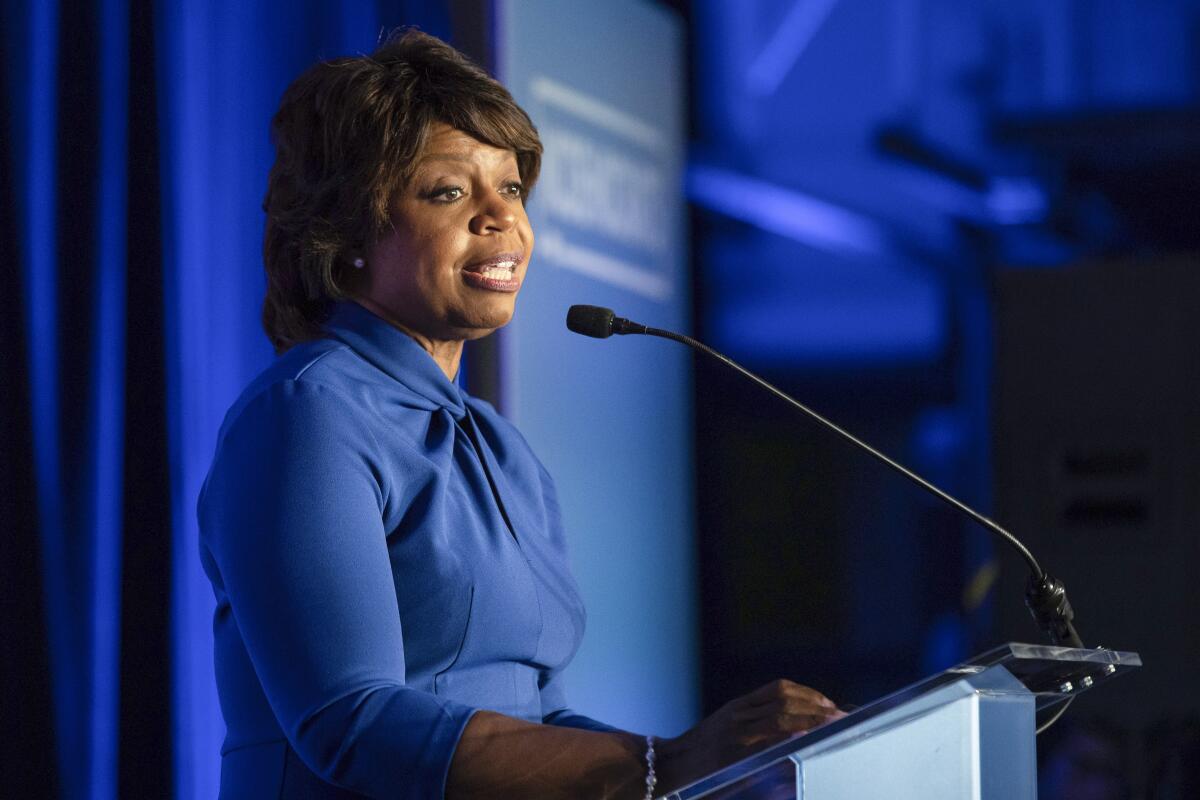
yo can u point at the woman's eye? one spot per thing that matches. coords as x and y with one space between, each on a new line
515 189
447 194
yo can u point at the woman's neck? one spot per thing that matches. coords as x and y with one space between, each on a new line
447 354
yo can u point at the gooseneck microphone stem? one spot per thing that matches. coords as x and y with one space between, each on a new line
1045 596
945 497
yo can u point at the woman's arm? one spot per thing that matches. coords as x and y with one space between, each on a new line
501 757
292 536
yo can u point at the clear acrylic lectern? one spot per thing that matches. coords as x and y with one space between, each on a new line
967 732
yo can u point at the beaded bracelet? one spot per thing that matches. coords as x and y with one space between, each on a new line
651 777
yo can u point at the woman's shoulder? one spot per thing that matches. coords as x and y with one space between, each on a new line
329 368
320 388
317 367
327 392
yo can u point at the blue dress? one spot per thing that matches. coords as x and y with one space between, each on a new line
388 557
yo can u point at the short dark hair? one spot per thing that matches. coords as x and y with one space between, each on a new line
347 136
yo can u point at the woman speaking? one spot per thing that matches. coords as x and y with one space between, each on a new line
394 604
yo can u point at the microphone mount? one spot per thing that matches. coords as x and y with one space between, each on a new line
1045 596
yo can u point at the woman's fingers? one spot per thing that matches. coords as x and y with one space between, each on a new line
780 709
784 723
764 717
795 708
785 690
794 703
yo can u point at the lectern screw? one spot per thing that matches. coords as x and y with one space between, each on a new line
1109 669
1086 681
1066 687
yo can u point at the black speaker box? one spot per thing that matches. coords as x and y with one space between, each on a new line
1097 467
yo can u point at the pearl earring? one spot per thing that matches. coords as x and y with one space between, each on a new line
359 262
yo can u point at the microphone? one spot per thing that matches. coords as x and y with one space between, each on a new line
600 323
1045 596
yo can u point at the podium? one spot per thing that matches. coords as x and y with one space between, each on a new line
967 732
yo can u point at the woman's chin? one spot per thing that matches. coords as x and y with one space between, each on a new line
483 321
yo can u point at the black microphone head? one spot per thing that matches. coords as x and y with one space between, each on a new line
591 321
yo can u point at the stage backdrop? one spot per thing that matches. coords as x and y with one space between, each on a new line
612 419
133 159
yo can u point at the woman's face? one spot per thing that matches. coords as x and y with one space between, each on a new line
451 267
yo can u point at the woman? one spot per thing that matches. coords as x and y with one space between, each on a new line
394 607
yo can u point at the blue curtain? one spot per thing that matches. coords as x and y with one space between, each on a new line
135 155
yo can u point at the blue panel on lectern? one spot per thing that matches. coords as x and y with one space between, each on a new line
611 419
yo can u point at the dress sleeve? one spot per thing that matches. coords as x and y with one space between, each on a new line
291 518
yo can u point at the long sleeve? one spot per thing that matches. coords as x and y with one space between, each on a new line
294 542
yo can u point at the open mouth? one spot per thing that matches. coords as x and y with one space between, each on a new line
496 273
500 272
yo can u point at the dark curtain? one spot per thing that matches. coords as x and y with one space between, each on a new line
135 153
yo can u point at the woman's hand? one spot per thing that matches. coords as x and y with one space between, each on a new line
741 727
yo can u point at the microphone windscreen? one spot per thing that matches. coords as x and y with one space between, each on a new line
591 321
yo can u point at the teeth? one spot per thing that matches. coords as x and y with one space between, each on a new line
499 272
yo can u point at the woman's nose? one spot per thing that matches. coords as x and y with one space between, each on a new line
496 216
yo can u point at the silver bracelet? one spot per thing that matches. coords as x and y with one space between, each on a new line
651 777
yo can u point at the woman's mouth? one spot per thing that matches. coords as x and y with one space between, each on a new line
495 274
